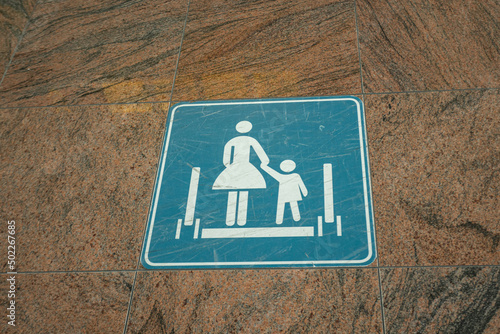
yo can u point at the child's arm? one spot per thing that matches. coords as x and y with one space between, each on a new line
271 171
302 187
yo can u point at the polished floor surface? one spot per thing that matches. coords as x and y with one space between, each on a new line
84 95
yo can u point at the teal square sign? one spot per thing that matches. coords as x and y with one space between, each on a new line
262 183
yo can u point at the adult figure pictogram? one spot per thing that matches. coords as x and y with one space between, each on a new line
240 175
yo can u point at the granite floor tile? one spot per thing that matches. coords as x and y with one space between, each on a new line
13 17
78 183
69 303
429 44
235 49
80 52
435 163
256 301
442 300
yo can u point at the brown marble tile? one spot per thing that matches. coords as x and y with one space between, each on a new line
442 300
235 49
13 17
78 181
69 303
29 5
256 301
435 161
429 44
80 52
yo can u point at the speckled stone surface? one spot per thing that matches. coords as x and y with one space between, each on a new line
234 49
442 300
78 179
13 18
435 162
262 301
78 182
69 303
429 44
81 52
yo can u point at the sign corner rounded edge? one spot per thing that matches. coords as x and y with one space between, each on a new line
371 259
178 105
356 99
146 263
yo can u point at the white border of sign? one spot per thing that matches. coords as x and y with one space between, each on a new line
265 263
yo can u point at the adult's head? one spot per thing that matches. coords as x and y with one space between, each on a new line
244 127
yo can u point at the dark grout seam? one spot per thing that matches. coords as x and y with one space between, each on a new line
442 266
180 50
381 292
130 304
28 22
359 47
87 105
227 269
249 98
380 289
433 91
118 271
137 267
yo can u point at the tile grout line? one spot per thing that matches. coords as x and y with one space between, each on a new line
28 22
140 251
144 230
250 98
159 157
180 50
381 292
222 269
378 267
359 47
433 91
443 266
88 105
163 137
118 271
367 148
130 303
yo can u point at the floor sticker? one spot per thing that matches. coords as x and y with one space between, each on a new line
262 183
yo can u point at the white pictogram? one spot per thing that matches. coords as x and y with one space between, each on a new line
240 176
291 189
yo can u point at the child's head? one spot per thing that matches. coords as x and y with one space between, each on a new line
287 166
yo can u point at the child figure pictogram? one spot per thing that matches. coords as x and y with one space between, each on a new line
291 189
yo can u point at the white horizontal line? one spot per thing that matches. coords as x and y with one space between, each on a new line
257 232
314 100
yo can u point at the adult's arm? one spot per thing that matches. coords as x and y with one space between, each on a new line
228 149
260 151
271 172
